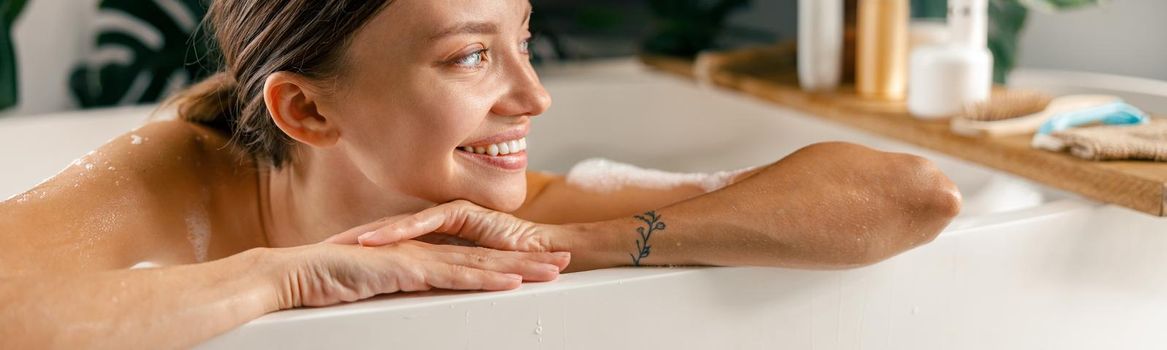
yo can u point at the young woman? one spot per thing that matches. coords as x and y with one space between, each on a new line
340 130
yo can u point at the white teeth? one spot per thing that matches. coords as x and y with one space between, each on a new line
501 148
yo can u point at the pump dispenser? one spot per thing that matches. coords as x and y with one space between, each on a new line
944 78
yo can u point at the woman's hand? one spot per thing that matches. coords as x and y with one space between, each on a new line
326 274
590 248
462 219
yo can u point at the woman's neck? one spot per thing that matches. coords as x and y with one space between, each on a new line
317 196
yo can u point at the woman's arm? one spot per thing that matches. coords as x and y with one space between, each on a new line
830 205
556 199
173 307
177 307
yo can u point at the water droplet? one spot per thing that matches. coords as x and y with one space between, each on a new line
915 310
539 330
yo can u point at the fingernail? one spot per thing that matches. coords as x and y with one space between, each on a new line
562 255
514 277
366 235
551 268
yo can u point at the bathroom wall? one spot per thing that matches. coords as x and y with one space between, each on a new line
50 38
1121 37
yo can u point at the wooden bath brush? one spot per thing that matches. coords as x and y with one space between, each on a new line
1019 112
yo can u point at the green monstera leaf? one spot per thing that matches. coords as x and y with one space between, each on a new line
9 82
146 49
1058 5
685 27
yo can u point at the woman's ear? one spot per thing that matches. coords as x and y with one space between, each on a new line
291 101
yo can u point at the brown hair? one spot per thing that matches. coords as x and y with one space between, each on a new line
257 38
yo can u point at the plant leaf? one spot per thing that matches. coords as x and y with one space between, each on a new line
1058 5
1006 19
9 95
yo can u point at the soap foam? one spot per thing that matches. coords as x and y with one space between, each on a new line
603 175
198 228
145 265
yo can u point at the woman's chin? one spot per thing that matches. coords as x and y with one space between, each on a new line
503 197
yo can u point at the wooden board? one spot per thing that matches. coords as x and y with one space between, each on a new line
769 73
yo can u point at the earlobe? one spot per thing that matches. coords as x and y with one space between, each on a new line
291 103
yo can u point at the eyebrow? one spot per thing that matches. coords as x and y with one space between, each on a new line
467 28
473 28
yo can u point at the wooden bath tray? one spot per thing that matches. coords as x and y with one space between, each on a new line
769 73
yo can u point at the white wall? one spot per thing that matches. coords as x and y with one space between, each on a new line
50 37
1122 37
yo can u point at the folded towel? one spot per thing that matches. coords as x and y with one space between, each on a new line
1134 142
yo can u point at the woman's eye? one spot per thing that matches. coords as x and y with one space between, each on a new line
525 46
471 60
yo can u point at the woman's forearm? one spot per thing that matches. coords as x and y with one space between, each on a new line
829 206
150 308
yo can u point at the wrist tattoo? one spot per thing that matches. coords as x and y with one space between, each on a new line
653 223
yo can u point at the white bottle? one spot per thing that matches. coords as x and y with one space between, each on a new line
942 79
820 44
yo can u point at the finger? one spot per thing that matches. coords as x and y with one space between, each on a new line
347 237
559 259
445 239
424 222
350 236
530 270
458 277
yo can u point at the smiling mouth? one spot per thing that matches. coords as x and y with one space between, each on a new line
497 149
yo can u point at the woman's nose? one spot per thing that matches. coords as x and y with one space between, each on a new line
526 95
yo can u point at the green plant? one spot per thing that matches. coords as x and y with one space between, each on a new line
1006 21
9 84
685 27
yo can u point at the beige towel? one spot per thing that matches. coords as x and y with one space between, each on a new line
1139 142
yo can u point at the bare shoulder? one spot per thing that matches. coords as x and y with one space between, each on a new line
178 150
152 194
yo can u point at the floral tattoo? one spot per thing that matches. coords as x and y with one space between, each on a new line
653 223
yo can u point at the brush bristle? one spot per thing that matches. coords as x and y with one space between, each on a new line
1003 105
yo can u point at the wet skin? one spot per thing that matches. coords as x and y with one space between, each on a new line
375 168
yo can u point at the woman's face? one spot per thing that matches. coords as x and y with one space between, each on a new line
427 85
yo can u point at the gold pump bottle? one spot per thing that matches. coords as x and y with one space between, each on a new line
882 49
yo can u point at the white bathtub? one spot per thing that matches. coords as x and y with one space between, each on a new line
1023 267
